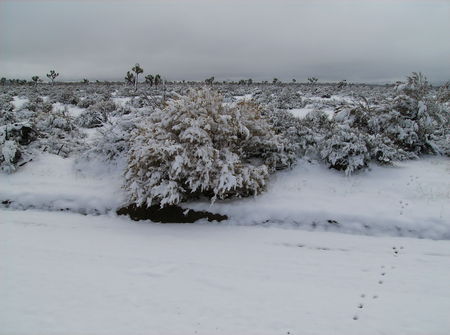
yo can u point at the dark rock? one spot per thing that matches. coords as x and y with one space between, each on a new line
333 222
168 214
326 96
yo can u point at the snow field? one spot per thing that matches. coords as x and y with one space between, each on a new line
409 199
51 182
64 273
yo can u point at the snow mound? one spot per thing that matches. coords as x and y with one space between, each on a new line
51 182
301 113
410 199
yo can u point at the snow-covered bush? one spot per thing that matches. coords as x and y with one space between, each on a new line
10 155
112 142
443 94
198 145
345 149
6 109
86 102
416 121
12 139
58 134
68 97
95 115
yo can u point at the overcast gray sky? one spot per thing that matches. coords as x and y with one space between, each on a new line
357 40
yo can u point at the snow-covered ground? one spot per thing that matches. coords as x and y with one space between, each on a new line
51 182
408 199
302 112
65 273
257 273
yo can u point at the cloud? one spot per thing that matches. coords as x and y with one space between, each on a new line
193 39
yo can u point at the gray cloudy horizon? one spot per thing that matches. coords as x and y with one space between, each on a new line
361 41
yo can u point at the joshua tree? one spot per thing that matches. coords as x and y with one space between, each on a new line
52 76
158 80
35 80
137 69
312 80
150 79
275 81
342 84
85 81
209 81
129 78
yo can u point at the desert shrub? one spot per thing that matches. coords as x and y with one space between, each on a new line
415 120
112 142
6 109
382 129
197 145
443 94
344 149
13 137
10 155
68 97
34 103
86 102
95 115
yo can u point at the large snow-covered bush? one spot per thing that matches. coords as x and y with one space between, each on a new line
197 145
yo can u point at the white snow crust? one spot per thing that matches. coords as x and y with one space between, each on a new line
65 273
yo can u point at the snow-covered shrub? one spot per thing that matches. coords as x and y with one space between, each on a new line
198 145
58 134
383 151
112 142
86 102
68 97
34 103
416 86
95 115
10 155
6 109
416 121
311 132
443 94
345 149
12 139
90 118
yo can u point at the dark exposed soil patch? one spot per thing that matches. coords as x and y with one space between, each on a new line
168 214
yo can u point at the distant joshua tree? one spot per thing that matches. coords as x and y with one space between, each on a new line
137 69
312 80
275 81
294 80
150 79
342 84
52 76
85 81
158 80
129 78
209 81
36 80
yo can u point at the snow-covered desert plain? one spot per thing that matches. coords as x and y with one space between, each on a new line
338 214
